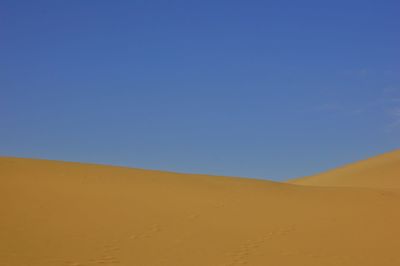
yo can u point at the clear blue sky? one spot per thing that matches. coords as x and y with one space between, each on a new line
270 89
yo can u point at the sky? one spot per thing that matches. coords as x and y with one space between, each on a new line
264 89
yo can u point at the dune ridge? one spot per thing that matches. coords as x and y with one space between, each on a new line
382 171
73 214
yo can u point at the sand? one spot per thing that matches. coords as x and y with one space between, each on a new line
72 214
382 171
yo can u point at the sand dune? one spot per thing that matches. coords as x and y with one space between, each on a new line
382 171
72 214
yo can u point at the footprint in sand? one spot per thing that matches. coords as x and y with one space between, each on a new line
147 233
241 255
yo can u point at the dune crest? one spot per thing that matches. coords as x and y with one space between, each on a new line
72 214
382 171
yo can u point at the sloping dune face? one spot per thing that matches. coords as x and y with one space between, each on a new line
382 171
71 214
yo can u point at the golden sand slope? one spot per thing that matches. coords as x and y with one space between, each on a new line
378 172
71 214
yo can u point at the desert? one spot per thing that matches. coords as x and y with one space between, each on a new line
75 214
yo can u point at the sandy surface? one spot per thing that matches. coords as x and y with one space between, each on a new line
382 171
57 213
